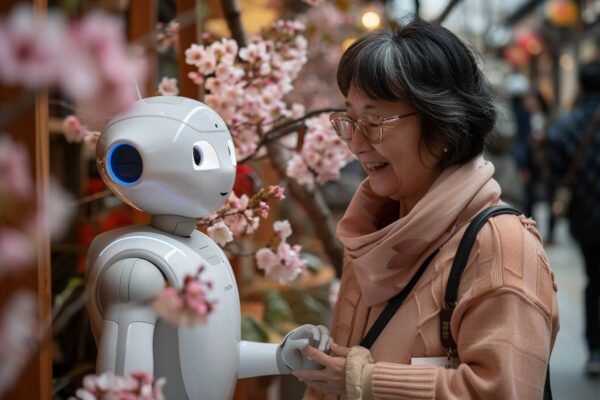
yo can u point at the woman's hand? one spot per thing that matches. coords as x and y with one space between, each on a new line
331 379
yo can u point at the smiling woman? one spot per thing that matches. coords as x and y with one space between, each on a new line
418 113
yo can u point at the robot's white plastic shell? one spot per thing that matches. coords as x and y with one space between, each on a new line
164 130
204 361
199 362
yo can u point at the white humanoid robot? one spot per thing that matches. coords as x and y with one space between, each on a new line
174 158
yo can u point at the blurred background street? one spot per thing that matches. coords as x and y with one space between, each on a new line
569 355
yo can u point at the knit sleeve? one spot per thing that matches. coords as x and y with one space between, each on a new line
504 343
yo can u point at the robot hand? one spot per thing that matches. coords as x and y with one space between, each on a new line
316 336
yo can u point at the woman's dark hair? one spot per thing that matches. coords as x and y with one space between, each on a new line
429 67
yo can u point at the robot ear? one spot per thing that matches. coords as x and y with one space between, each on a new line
124 164
205 156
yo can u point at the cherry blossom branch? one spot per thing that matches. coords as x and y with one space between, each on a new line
61 103
94 197
313 203
285 129
310 198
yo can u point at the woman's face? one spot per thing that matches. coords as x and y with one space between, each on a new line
400 166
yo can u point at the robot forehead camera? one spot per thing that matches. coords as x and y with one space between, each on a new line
168 155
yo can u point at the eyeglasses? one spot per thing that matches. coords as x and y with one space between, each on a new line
370 125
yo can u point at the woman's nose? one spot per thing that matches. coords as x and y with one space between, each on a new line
359 142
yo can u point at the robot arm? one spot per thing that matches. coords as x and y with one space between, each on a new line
257 359
126 290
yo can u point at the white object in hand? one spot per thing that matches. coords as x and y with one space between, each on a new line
316 336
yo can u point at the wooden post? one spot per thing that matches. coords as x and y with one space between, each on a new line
187 36
142 22
31 129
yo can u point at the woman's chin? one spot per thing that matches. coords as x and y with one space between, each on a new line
382 189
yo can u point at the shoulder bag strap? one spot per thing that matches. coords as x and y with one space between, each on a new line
393 305
458 266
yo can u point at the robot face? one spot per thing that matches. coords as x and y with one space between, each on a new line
168 156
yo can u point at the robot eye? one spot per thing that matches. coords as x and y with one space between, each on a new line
197 156
124 164
205 156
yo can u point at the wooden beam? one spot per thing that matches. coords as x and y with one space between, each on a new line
31 129
142 22
188 34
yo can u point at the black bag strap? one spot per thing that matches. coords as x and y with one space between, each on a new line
458 266
393 305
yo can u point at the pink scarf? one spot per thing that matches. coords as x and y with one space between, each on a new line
387 251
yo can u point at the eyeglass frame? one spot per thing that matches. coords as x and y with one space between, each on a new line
355 122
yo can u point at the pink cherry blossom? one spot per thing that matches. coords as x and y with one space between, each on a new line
241 215
15 178
74 131
297 110
276 192
54 212
264 209
168 87
18 335
207 65
137 385
194 55
283 265
30 48
298 170
266 259
283 228
220 233
187 306
322 156
17 249
251 89
97 45
197 78
92 140
167 36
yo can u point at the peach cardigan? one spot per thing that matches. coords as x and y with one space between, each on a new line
505 323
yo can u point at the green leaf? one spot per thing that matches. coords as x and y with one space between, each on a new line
253 331
277 310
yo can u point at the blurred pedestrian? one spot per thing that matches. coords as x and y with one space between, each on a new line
518 87
564 139
498 152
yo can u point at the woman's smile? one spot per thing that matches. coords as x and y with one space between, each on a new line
374 167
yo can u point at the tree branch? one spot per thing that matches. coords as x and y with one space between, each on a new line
313 203
285 129
231 10
446 12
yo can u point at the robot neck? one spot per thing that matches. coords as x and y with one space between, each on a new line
174 224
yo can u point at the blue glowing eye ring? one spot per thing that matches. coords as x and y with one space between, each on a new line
124 164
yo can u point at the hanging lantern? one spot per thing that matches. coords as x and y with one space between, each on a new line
516 55
562 13
530 41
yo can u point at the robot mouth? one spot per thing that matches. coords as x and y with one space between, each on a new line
224 193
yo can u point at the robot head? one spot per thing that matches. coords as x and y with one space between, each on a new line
168 155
